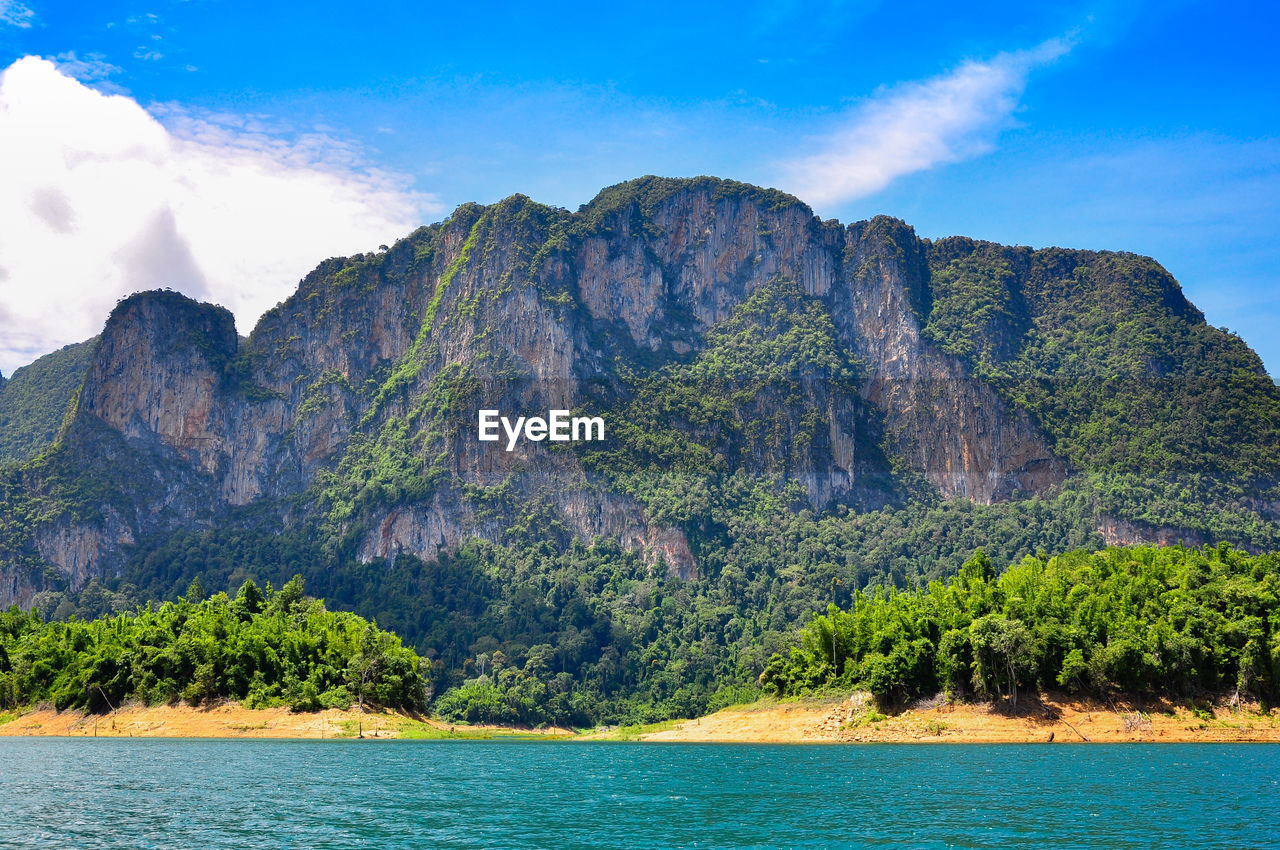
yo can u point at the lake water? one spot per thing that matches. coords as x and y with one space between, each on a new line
305 794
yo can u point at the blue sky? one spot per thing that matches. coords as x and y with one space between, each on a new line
244 142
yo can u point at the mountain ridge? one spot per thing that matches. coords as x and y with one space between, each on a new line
751 360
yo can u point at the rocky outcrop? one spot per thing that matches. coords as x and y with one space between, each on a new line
158 375
427 530
950 426
19 584
1122 532
695 250
80 551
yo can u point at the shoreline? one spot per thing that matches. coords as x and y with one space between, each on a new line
1046 718
232 720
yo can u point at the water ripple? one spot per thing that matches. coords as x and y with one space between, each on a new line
331 794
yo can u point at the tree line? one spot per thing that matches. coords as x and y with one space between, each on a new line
1168 622
272 648
593 635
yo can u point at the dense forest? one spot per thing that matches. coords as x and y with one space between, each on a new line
263 648
635 643
1143 621
594 636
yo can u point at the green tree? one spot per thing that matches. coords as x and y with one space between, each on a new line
1001 652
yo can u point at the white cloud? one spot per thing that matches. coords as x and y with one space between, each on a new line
92 67
15 14
99 199
915 126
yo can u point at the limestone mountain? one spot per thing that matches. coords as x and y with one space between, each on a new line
794 408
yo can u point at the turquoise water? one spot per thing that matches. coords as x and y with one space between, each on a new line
167 793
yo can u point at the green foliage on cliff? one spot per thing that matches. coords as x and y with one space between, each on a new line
400 459
638 200
1169 622
266 648
755 399
34 400
1172 422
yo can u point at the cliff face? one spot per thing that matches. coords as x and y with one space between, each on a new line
948 424
157 377
828 356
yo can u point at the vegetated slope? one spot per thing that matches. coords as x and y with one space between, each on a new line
35 398
795 410
1141 621
1172 421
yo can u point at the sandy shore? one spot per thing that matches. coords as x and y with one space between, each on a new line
1039 720
231 720
846 720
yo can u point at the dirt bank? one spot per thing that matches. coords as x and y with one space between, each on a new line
231 720
855 719
1038 720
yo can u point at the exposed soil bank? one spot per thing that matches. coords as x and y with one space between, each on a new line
1037 720
231 720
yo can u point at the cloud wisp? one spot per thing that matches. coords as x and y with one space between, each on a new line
99 199
916 126
16 14
90 68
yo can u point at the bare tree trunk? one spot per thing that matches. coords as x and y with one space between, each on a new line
1013 686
